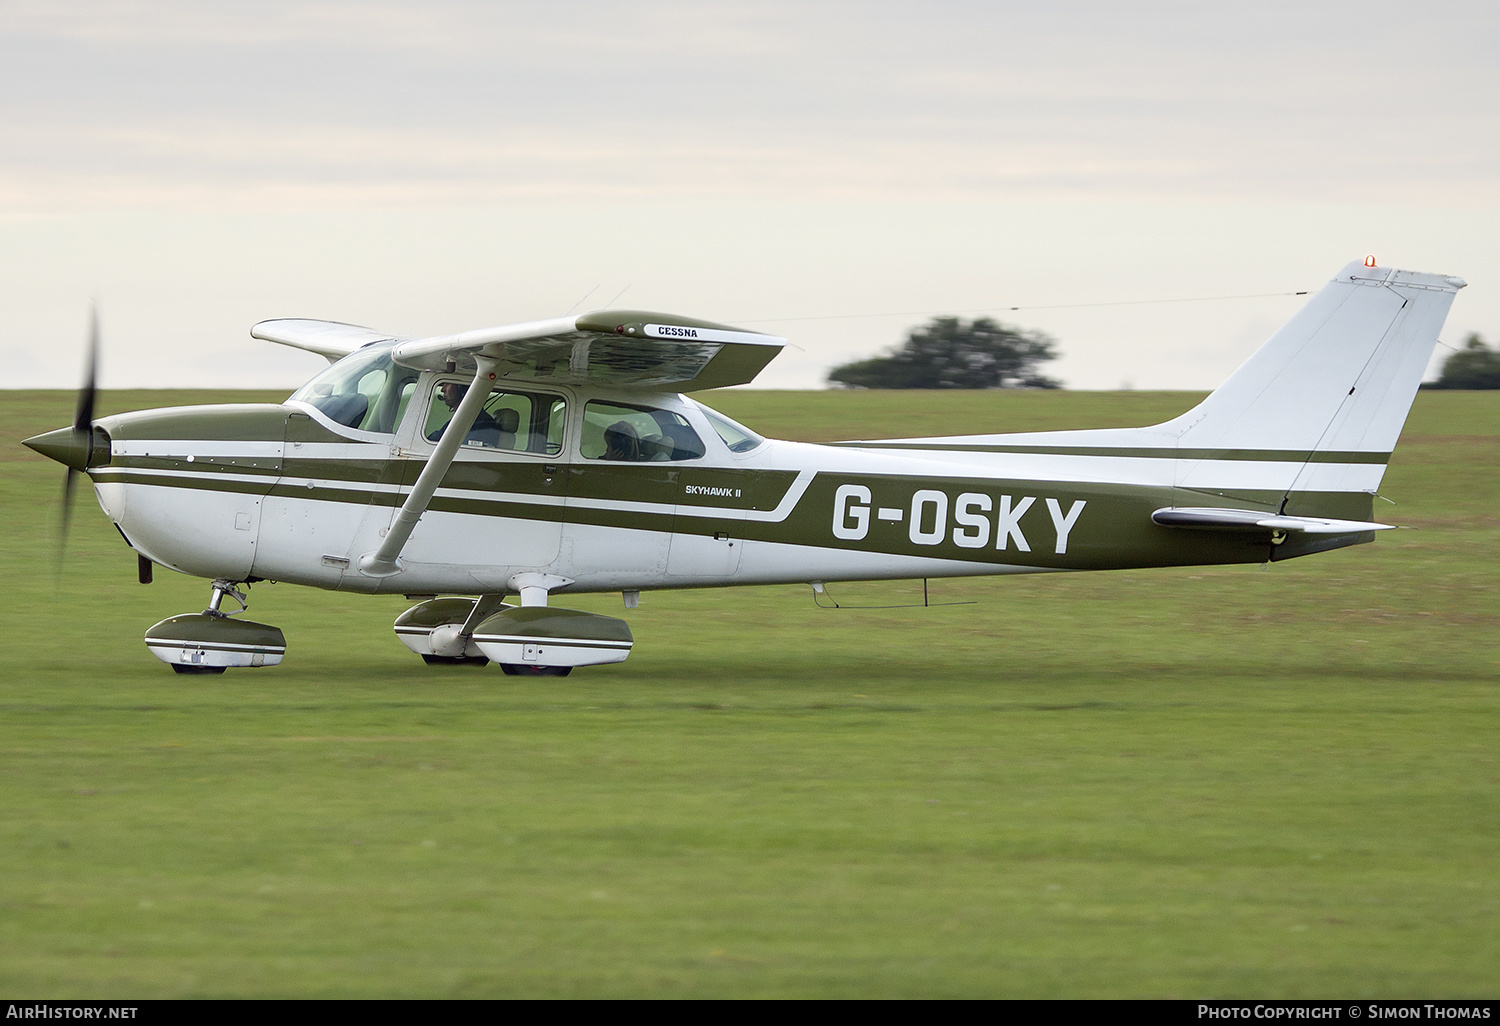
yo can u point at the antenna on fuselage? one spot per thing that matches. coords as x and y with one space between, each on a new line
580 302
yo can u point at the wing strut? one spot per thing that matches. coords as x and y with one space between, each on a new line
383 562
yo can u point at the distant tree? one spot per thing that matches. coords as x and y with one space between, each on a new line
1474 366
948 353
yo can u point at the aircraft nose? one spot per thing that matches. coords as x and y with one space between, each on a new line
65 445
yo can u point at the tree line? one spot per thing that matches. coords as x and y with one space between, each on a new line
1476 365
949 352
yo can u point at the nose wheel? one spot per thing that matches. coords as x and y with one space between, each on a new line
190 668
212 641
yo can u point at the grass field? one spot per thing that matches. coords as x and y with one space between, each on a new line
1185 783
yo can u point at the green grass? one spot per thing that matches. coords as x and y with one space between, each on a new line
1189 783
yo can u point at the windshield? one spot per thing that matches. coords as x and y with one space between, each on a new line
365 390
738 437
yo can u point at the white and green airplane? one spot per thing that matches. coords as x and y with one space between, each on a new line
493 473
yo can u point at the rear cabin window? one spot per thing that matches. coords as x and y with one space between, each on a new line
510 421
736 436
637 434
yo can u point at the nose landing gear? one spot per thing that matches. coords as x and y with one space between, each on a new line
211 642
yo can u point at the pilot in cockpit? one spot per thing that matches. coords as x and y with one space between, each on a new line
486 431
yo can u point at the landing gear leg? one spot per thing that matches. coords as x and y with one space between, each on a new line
226 589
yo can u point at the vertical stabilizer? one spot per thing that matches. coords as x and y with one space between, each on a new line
1326 397
1305 427
1340 375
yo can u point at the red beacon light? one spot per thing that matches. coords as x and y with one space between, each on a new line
1369 261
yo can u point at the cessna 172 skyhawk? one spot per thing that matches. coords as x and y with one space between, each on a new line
507 468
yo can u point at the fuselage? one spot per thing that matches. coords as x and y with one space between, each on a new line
289 493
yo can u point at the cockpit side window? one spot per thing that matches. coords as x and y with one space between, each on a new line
366 390
637 434
513 421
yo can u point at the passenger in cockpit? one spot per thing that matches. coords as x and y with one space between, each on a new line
621 442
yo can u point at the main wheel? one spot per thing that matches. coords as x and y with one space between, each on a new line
528 670
437 660
193 668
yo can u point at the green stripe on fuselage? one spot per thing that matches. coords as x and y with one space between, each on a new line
1113 528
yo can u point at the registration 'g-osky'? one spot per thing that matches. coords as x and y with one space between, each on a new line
507 468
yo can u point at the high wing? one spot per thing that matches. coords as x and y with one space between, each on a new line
332 340
629 348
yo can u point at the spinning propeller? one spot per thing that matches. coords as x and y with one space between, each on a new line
82 441
73 446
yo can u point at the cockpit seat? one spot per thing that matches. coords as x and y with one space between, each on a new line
348 409
507 422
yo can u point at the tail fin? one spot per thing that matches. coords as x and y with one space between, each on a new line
1340 375
1304 428
1326 397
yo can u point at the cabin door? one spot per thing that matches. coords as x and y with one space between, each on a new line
499 508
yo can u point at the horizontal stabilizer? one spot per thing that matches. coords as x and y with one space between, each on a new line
1204 519
330 339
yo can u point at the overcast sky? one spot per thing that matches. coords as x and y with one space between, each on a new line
832 172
